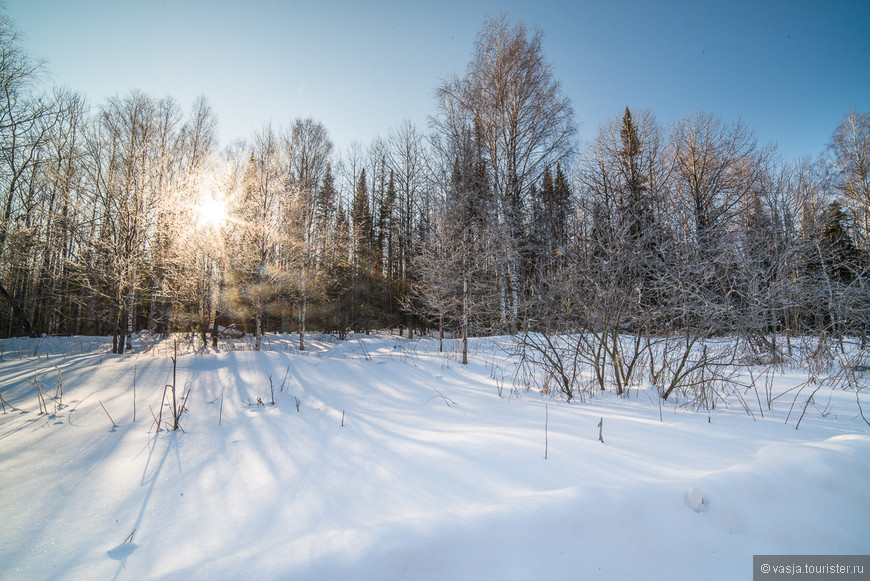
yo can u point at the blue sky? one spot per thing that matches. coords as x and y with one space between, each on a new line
790 69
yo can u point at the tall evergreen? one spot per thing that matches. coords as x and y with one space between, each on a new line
842 257
635 208
326 198
386 228
362 222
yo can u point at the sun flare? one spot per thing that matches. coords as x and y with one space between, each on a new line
210 212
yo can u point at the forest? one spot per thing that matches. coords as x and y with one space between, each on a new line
129 215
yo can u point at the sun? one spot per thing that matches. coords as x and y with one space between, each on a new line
211 212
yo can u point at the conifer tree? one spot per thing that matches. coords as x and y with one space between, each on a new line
362 223
386 228
363 253
325 207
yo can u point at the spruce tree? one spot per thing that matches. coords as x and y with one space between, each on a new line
362 222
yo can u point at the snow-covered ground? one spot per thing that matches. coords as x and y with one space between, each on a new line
401 464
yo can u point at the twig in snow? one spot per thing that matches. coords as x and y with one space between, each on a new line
159 417
40 397
546 431
446 399
110 417
601 431
661 417
806 405
153 415
286 377
58 392
174 399
181 410
6 403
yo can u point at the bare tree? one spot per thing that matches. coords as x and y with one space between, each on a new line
511 99
257 214
120 171
850 149
453 266
190 226
615 278
850 146
309 149
716 165
170 210
25 122
62 212
407 157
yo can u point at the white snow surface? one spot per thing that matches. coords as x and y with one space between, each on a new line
433 474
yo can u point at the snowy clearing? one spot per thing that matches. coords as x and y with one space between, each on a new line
383 459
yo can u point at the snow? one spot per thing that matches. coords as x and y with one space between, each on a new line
400 463
695 499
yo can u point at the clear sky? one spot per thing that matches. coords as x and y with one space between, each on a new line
790 69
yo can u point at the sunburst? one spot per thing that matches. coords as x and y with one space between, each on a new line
211 212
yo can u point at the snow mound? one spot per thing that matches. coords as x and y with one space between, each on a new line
695 499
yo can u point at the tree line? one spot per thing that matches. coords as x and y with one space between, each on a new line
128 215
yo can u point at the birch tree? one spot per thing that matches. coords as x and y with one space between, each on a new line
63 214
850 158
253 249
120 172
309 149
525 124
25 122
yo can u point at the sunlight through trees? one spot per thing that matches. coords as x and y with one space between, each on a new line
127 215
